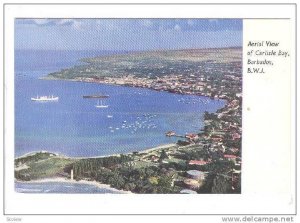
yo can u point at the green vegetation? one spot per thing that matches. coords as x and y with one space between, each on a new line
121 173
34 157
40 165
126 172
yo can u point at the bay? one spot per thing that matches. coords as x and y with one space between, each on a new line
136 118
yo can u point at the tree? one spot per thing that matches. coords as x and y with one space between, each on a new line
117 181
221 185
153 180
163 156
165 184
206 188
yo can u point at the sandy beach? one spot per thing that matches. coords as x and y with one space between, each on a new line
64 180
165 146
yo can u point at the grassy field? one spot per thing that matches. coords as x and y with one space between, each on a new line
45 168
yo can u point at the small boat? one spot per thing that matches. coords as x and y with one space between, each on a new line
95 96
101 105
109 116
45 98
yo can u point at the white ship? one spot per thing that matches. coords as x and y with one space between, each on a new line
45 98
101 105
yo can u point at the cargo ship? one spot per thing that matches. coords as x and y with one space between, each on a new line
95 96
45 98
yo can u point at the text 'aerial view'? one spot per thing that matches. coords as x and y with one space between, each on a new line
142 106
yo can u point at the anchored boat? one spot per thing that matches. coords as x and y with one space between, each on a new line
101 105
95 96
45 98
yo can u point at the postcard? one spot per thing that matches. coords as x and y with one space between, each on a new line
138 108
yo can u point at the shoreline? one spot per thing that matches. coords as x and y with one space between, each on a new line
146 150
171 91
64 180
163 146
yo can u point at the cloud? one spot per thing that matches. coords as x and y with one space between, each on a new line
65 22
136 25
39 21
78 25
213 20
146 23
75 23
190 22
108 24
177 27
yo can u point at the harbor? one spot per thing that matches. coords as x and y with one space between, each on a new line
126 131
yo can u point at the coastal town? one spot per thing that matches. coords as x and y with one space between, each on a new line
206 161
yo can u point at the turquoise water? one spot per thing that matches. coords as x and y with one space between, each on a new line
136 118
61 187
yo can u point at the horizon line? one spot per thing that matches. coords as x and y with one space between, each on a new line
140 50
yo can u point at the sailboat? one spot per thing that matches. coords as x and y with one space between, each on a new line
101 105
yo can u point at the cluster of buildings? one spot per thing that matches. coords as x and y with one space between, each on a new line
208 79
224 136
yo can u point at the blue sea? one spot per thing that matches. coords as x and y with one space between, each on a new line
61 187
136 119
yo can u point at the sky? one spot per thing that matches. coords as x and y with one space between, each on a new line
126 34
